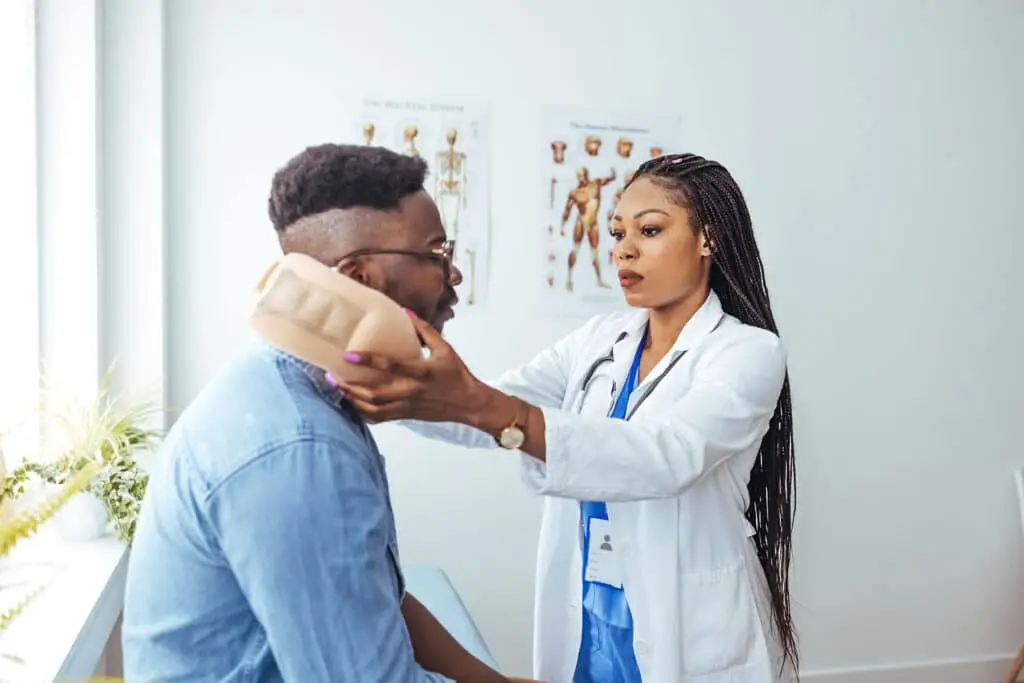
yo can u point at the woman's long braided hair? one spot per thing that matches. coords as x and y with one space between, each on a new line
716 204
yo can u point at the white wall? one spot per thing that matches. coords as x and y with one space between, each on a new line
880 148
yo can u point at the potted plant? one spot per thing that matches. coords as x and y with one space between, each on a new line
104 435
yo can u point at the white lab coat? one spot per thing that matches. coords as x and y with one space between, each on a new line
675 481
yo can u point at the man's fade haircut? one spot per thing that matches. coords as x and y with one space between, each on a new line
332 176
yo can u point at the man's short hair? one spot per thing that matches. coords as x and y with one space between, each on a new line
332 176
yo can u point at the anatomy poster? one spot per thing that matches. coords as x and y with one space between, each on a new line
588 157
454 140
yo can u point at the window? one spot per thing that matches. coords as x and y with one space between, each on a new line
19 271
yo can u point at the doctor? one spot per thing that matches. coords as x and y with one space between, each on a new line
662 441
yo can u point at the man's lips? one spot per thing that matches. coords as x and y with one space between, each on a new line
446 311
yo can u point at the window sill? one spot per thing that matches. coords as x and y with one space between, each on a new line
63 632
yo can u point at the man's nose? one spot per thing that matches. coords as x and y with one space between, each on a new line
454 275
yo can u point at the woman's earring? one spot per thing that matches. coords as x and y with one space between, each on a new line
709 244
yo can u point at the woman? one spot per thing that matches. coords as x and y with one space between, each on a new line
662 440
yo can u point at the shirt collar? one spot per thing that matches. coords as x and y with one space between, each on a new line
318 378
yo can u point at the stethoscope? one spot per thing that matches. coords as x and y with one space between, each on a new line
596 365
591 374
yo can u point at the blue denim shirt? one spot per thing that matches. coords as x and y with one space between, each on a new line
266 547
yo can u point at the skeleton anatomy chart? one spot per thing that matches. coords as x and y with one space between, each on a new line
454 140
588 158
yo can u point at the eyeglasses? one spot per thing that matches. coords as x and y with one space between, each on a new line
443 254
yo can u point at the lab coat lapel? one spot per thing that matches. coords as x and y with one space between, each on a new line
704 320
625 347
700 325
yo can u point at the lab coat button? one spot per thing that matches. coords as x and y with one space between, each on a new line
642 648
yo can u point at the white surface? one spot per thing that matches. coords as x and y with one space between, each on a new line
62 633
432 587
879 147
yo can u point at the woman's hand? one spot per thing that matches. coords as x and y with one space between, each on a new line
436 389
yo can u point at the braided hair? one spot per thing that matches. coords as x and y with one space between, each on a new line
717 207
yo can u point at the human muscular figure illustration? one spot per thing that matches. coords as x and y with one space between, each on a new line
626 180
592 145
368 130
558 151
549 278
624 147
656 152
586 198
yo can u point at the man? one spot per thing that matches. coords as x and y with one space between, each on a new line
266 547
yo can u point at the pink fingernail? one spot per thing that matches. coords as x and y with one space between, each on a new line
351 357
409 313
331 380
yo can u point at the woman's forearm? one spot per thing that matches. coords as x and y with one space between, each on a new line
450 432
491 410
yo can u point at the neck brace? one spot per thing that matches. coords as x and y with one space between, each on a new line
316 314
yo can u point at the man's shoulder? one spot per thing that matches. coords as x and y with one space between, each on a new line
262 404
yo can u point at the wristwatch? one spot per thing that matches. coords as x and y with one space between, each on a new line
512 437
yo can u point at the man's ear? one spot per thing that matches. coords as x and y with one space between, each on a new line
363 271
355 269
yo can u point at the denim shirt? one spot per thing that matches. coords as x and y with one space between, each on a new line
266 547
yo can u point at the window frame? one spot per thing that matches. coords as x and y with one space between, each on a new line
19 260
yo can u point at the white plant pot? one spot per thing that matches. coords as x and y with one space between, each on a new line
82 518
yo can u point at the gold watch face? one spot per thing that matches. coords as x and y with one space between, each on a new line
511 438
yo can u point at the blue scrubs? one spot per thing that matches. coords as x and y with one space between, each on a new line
606 650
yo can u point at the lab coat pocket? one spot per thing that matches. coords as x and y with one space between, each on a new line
719 624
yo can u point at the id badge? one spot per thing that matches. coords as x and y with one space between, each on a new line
602 560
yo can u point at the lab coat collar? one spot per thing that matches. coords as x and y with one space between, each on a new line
701 324
703 321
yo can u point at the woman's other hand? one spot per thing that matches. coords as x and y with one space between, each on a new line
436 389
